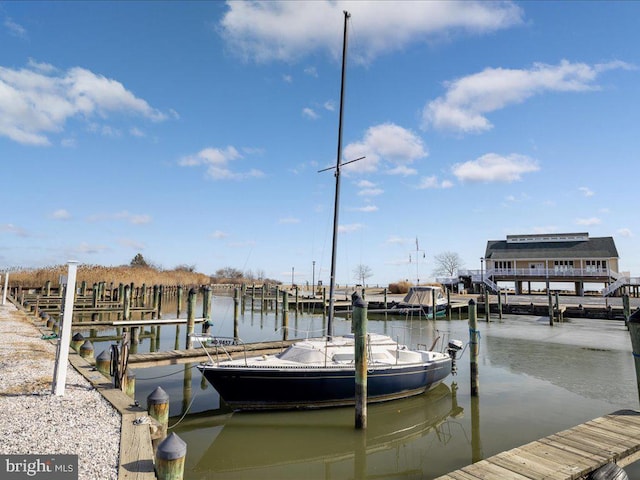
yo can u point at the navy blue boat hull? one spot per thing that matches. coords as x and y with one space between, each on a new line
247 388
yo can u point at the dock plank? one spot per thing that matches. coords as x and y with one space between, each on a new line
567 455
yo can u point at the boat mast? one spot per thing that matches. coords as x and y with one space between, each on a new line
336 203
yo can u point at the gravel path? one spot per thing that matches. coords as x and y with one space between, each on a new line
34 421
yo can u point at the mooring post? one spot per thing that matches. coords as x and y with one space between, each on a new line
626 309
634 331
433 304
359 320
47 288
86 349
236 334
448 304
487 305
206 309
499 305
160 295
170 457
285 314
154 302
103 363
296 297
158 408
179 301
474 335
130 383
76 341
191 317
550 306
276 296
385 297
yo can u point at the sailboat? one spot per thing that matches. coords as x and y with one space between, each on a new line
320 372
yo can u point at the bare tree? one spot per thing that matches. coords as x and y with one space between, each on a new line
447 264
361 273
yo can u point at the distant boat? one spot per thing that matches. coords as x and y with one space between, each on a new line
320 372
420 300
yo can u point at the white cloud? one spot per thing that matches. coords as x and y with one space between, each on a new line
218 162
545 229
350 228
468 99
309 113
388 143
588 221
219 234
287 78
136 132
329 105
15 29
365 209
492 167
433 182
311 71
37 100
586 191
402 170
625 232
395 240
14 230
370 192
61 214
365 184
135 219
282 31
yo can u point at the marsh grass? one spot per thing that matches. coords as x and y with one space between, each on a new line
95 274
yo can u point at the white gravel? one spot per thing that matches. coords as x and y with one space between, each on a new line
34 421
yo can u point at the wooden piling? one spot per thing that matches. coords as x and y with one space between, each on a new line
236 301
487 305
474 335
86 349
158 408
191 317
129 386
170 457
76 341
626 309
360 337
433 304
206 309
634 331
285 314
103 363
499 305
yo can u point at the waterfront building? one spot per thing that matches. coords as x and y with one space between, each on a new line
550 258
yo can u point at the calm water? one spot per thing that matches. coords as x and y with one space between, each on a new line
535 380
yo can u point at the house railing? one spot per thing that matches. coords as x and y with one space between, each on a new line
479 275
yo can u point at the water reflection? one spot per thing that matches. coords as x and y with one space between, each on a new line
322 443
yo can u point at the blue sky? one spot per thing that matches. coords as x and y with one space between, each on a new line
193 132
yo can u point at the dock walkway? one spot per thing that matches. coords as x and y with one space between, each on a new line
570 454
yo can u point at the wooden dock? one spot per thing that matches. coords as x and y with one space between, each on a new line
570 454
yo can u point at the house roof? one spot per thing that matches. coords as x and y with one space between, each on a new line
595 247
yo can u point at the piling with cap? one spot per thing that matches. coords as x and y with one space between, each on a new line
76 341
191 317
103 363
86 349
170 457
158 408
